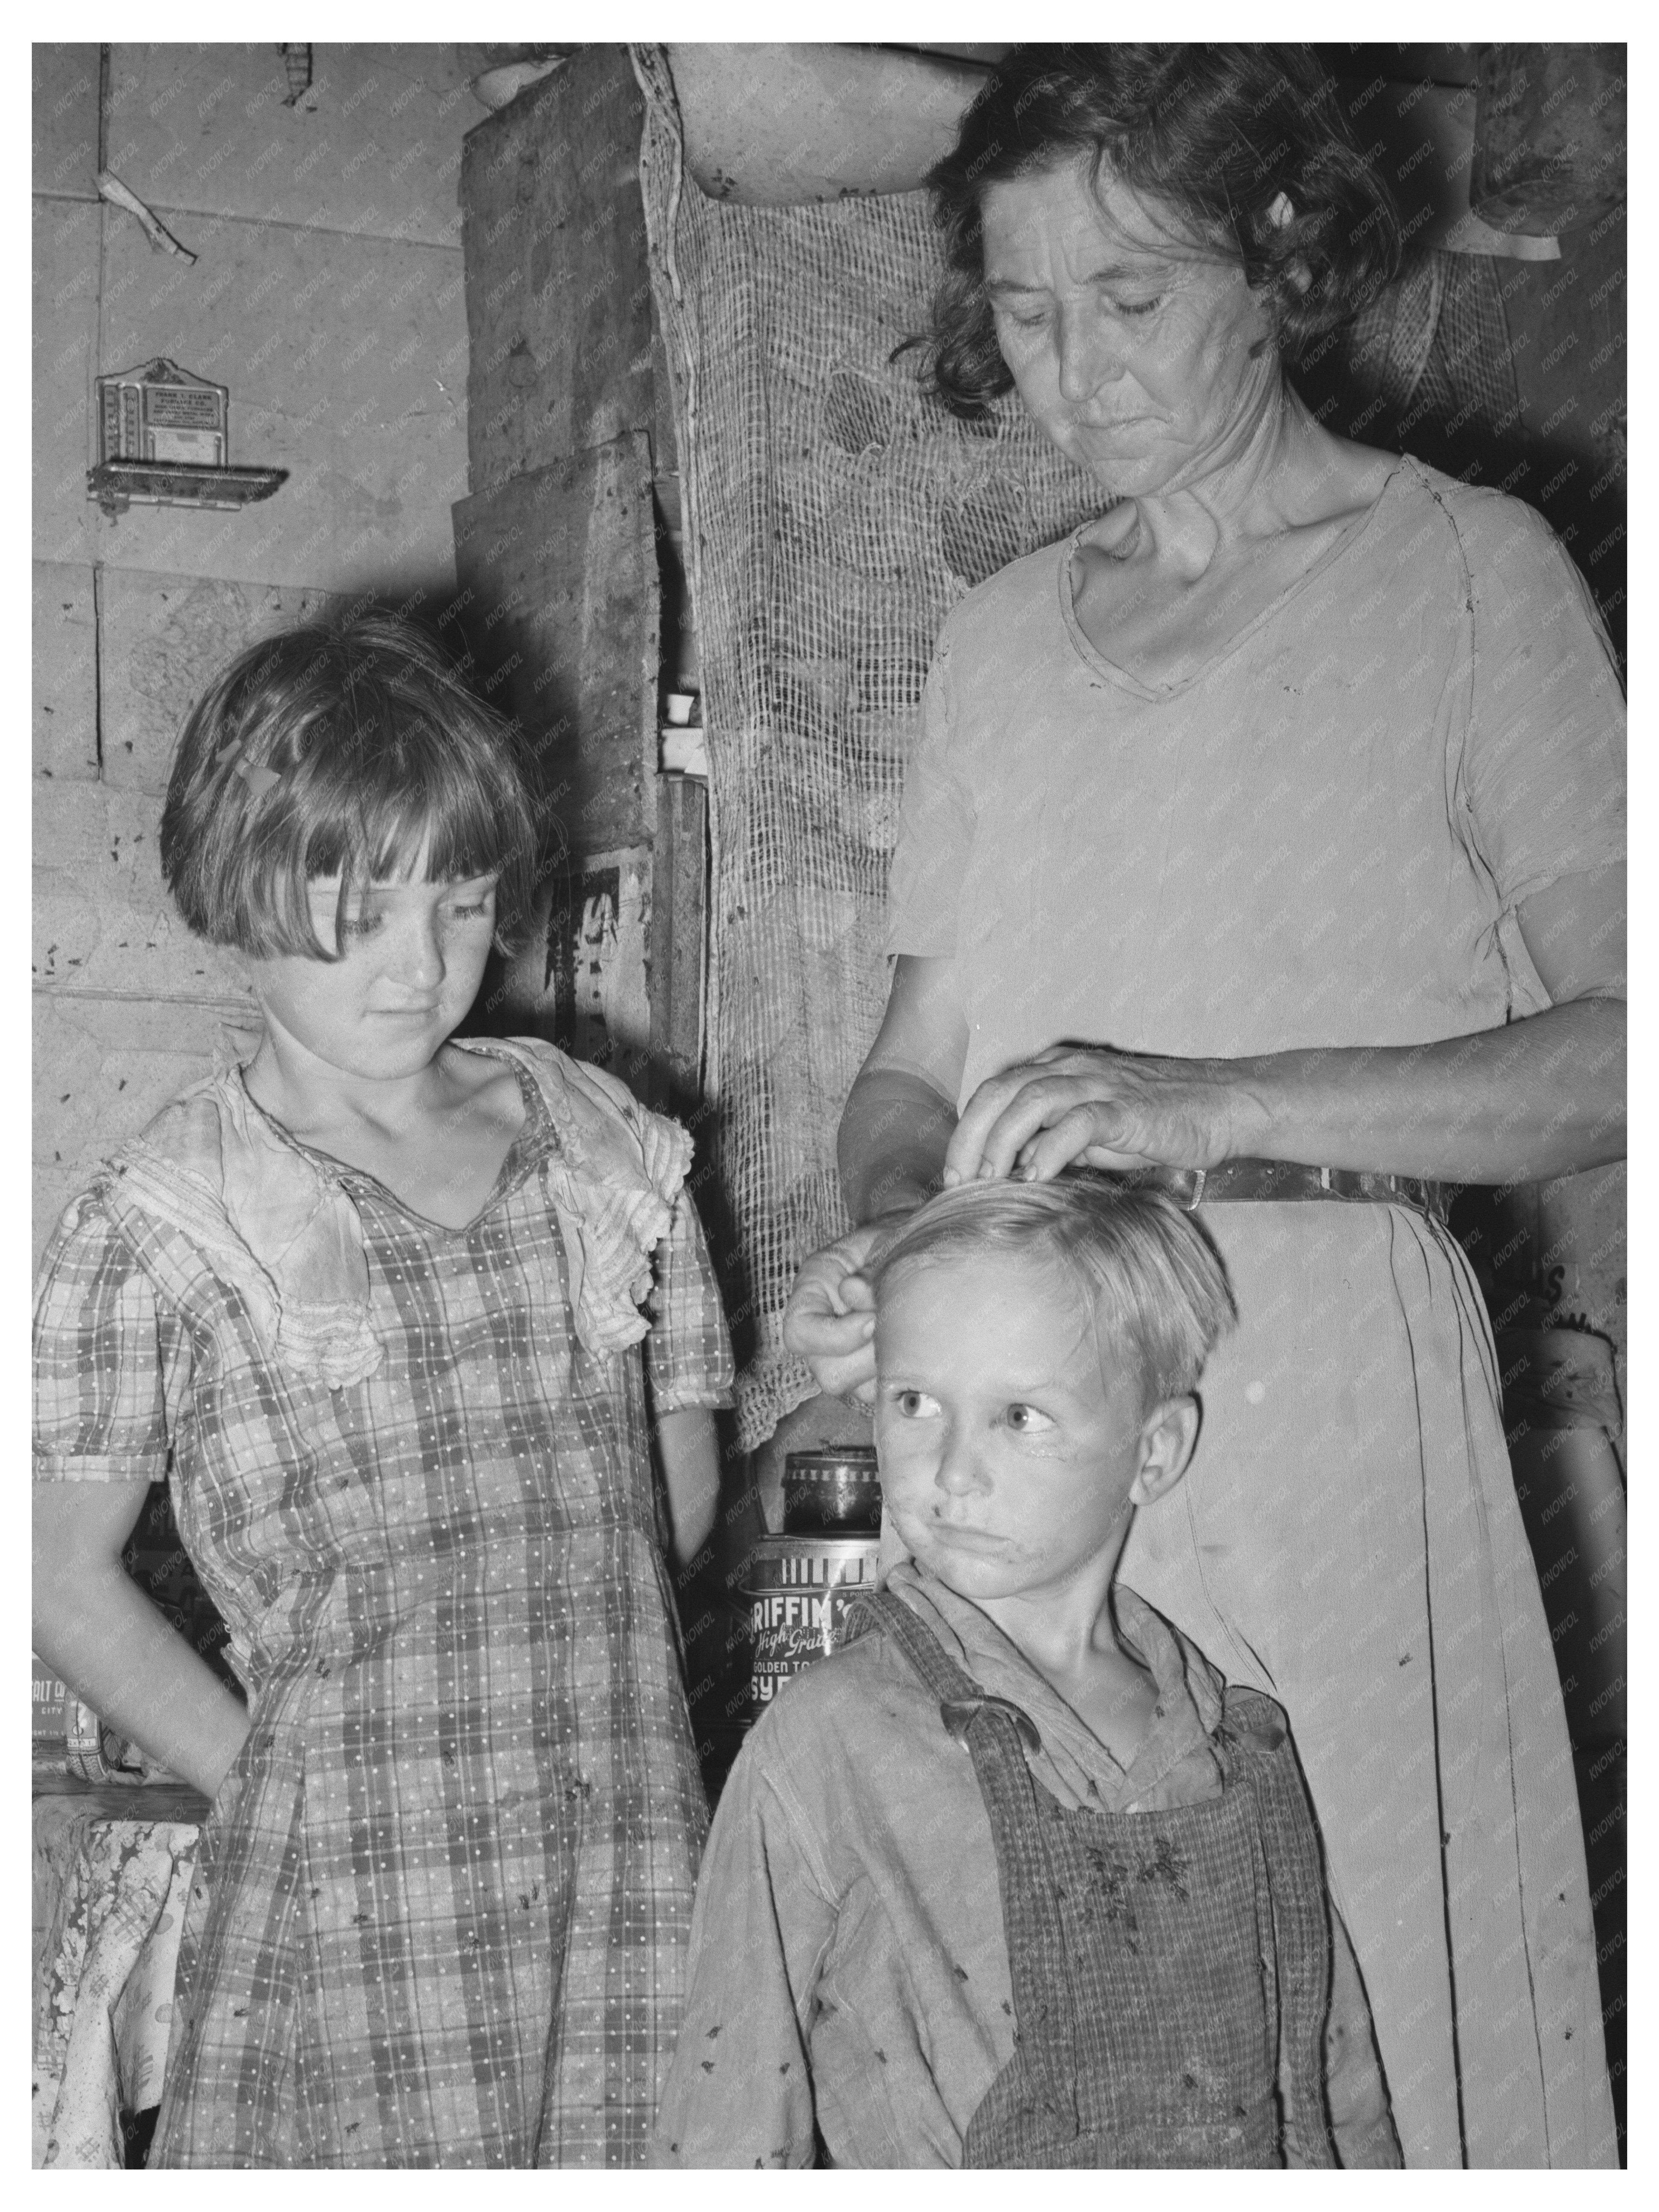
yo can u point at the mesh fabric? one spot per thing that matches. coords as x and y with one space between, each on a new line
833 516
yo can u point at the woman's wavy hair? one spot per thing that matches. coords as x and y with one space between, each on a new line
341 749
1213 134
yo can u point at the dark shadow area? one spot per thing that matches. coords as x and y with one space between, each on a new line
1509 372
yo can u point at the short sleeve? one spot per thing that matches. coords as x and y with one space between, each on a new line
100 1360
687 1354
936 829
1544 759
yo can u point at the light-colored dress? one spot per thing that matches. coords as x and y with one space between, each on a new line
1322 839
443 1896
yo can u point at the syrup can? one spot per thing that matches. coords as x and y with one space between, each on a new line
832 1491
799 1590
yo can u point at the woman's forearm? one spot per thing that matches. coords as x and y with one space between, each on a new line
891 1143
94 1627
1541 1097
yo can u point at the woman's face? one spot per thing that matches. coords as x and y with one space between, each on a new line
1130 347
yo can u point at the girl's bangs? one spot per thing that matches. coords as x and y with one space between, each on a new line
426 791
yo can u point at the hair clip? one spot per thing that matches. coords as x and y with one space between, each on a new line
258 780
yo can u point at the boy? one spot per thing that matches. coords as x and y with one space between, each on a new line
1009 1880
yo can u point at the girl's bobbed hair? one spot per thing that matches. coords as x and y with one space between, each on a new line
341 749
1213 134
1152 1281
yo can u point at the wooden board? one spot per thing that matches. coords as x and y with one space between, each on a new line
558 297
596 963
559 602
615 974
679 929
583 980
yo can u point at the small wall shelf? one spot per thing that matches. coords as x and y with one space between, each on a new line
115 485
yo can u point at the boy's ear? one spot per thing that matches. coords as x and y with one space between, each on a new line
1168 1436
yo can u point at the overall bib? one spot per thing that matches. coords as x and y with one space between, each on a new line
1159 1959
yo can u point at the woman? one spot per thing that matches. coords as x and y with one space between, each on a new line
1264 837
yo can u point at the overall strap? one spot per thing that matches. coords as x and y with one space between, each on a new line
880 1609
994 1729
1259 1756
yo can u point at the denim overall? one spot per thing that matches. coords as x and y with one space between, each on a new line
1158 1960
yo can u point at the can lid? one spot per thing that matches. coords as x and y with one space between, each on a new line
837 1546
858 1461
833 1552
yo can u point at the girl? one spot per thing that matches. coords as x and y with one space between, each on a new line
371 1299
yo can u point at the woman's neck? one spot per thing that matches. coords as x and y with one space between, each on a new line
1254 485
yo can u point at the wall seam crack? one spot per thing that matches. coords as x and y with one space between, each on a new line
98 664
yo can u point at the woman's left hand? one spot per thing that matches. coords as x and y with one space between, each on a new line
1109 1109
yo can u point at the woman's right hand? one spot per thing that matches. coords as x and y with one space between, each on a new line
830 1319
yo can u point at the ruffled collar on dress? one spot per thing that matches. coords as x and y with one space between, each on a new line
277 1222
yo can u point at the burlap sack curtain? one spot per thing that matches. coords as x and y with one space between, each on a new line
833 516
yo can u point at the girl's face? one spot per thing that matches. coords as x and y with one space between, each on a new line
1009 1460
1130 349
414 954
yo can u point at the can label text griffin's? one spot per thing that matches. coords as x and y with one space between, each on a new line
799 1590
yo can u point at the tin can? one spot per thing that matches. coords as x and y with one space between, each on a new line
50 1706
835 1488
94 1752
799 1590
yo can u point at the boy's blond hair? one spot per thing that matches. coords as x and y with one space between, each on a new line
1153 1281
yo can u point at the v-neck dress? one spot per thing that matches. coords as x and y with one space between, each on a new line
1320 839
443 1897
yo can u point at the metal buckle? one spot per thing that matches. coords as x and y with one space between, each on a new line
1191 1201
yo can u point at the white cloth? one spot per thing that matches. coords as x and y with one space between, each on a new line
286 1235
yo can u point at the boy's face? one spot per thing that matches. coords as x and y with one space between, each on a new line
1009 1460
414 955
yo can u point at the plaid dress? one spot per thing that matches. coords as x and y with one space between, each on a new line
443 1896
